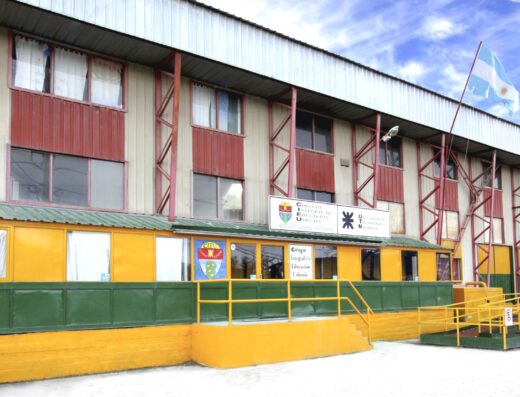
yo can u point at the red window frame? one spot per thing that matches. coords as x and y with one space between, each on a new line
385 144
216 90
314 192
332 130
444 224
437 161
90 56
498 174
89 187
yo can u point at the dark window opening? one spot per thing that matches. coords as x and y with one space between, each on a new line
451 169
312 195
371 264
410 265
272 262
390 152
243 260
217 198
313 132
443 267
487 176
325 262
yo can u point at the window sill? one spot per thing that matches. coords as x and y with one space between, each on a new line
68 207
219 131
330 154
391 167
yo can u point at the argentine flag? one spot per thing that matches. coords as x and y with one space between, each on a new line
489 80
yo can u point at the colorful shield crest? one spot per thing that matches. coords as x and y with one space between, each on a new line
210 257
285 211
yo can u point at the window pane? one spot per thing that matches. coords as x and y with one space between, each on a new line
323 196
107 82
204 106
243 260
70 74
443 267
304 130
394 148
325 262
3 253
305 194
450 225
88 256
323 137
229 118
172 259
29 175
106 184
204 196
69 180
451 169
272 262
396 215
497 231
457 273
31 64
371 264
382 153
410 267
231 199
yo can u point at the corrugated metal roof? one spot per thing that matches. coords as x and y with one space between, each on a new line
200 30
82 217
198 226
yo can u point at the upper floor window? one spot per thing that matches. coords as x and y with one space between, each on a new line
73 74
487 176
66 180
390 152
397 224
312 195
313 132
216 197
451 170
216 109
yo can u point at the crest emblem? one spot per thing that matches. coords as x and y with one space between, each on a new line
210 257
285 211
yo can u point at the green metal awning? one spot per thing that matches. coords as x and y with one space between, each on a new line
197 226
83 217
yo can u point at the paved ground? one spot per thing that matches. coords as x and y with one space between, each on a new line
391 369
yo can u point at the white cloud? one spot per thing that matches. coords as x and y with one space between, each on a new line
439 28
412 71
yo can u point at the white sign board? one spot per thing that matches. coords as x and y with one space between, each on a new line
365 222
300 262
316 217
508 316
302 216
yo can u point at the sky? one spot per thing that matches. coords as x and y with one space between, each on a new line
431 43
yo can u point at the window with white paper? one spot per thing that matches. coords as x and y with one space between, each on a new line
31 61
107 87
3 253
88 256
172 257
70 74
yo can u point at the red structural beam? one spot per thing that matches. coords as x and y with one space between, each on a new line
516 223
166 177
284 153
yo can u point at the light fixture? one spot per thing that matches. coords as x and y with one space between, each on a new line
390 134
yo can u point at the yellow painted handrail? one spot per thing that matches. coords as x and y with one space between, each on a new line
230 301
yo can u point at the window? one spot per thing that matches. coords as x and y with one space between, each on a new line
487 176
443 267
243 260
215 197
325 262
409 261
66 180
450 225
172 259
3 253
457 270
305 194
390 152
217 109
69 75
451 170
371 264
88 256
396 215
313 132
272 262
498 235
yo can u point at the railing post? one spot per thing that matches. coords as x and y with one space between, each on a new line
230 302
419 328
289 302
478 317
504 333
198 302
457 324
338 295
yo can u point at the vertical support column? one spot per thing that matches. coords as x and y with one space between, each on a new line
292 143
515 193
376 160
491 218
175 134
442 182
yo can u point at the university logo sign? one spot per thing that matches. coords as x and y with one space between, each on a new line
210 258
285 211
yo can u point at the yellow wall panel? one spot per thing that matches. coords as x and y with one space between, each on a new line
391 265
39 254
349 263
427 265
133 257
502 260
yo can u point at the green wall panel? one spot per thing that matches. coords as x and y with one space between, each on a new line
175 303
38 308
504 281
133 306
88 307
4 308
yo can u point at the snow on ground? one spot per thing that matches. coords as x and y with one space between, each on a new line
391 369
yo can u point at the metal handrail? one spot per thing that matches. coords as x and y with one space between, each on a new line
289 299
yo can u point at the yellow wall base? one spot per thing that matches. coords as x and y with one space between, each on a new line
261 343
56 354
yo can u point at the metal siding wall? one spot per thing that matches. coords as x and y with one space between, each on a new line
140 140
58 125
411 188
195 29
256 163
315 170
499 203
5 111
343 175
390 184
450 196
507 205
